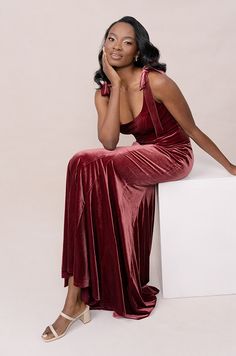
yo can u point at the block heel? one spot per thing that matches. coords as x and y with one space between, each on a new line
85 317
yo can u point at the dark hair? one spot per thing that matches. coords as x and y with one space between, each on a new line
148 54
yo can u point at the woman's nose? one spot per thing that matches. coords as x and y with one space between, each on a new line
116 46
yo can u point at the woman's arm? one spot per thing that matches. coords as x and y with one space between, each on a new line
167 91
109 110
108 117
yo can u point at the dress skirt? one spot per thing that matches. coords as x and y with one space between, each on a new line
108 225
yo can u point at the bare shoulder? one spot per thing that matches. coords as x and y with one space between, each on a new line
161 85
167 91
99 98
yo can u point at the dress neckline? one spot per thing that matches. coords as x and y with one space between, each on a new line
135 118
141 86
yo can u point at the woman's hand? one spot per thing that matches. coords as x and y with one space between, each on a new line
109 70
232 169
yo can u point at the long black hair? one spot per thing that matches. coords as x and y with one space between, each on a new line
148 54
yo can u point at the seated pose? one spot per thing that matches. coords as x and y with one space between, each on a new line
110 191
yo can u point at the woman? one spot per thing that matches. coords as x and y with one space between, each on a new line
110 191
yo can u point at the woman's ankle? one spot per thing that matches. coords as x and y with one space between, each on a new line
72 305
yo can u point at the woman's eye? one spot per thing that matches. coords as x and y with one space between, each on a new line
111 38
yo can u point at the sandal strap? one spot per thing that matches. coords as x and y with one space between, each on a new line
67 316
53 331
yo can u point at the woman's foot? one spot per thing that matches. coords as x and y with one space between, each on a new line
61 323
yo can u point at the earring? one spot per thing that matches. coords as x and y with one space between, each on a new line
136 58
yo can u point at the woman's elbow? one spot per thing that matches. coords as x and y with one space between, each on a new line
108 144
110 148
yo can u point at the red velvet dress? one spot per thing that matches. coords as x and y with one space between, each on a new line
109 209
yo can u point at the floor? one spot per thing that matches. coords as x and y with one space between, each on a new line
32 294
202 326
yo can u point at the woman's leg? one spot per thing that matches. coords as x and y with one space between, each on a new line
73 306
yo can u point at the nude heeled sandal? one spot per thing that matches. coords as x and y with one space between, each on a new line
84 317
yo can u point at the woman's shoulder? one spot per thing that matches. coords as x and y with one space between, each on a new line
99 95
104 88
158 78
160 83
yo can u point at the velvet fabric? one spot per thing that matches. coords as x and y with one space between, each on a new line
109 209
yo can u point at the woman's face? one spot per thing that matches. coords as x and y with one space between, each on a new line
120 45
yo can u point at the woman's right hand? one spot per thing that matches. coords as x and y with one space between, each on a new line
232 169
109 70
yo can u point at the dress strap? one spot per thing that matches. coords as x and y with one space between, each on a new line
144 76
150 101
105 88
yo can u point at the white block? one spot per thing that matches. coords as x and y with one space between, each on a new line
198 233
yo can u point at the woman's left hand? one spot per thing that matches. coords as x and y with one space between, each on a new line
232 169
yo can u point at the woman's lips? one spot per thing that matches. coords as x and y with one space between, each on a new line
116 56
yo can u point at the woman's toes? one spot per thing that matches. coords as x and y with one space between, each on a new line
47 334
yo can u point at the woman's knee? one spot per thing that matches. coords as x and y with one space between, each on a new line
76 159
85 156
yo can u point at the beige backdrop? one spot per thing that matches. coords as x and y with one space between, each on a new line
48 57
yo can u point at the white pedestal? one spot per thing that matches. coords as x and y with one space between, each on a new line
198 232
